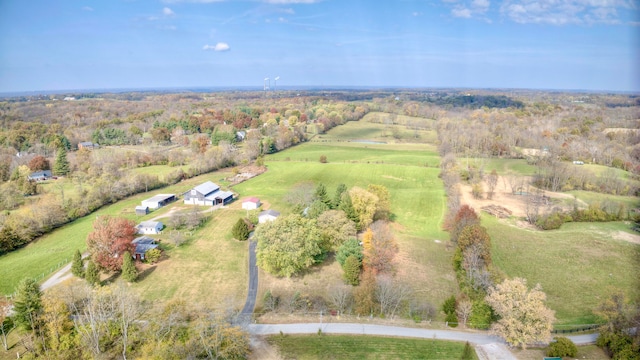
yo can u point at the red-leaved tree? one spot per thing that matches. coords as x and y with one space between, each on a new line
466 216
110 239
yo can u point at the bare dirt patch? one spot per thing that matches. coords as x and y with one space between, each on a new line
392 177
262 350
625 236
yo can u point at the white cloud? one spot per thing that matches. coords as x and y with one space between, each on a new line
191 1
416 13
461 12
167 11
87 8
565 12
221 46
285 2
480 5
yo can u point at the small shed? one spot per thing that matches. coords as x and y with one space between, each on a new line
143 244
251 203
142 210
267 215
150 227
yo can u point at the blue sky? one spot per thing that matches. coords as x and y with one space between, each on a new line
543 44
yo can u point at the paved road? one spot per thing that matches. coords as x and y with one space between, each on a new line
250 303
477 338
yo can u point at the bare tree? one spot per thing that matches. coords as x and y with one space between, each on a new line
390 295
464 309
340 297
492 182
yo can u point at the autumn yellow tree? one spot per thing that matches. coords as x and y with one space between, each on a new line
524 317
365 205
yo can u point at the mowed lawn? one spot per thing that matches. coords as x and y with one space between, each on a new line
578 266
210 269
364 347
41 257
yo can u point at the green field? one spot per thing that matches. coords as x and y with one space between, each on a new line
501 166
364 347
578 265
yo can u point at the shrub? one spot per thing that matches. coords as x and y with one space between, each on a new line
452 319
449 305
561 347
323 159
551 221
351 270
152 256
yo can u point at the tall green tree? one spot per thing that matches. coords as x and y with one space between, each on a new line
321 194
61 165
129 271
337 198
77 266
287 245
347 206
28 304
351 270
92 275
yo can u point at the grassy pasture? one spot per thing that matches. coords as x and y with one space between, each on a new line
501 166
402 154
591 197
373 127
578 265
363 347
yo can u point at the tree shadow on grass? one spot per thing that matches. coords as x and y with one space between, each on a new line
146 272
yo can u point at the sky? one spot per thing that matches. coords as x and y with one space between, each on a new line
48 45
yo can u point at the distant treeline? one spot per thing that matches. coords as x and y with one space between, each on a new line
470 101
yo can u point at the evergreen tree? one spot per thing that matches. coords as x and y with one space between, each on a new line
347 206
92 274
337 198
321 194
467 353
61 166
240 230
351 270
27 304
77 266
129 271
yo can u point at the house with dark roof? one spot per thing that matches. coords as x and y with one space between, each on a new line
40 175
143 244
207 194
267 215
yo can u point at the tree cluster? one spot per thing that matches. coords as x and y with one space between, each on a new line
76 321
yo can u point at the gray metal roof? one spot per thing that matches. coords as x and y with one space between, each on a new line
270 212
206 188
151 224
144 240
159 198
